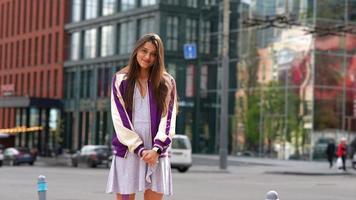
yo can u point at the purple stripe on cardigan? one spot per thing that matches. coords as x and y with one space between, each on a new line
120 108
122 89
154 112
160 144
170 110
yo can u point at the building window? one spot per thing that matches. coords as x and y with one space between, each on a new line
90 43
76 10
41 84
204 37
91 9
172 2
34 84
48 83
88 83
172 33
75 46
103 82
108 7
106 82
35 53
210 2
55 85
107 41
191 30
148 2
127 37
147 25
49 52
128 5
85 83
192 3
56 50
69 85
171 69
43 50
82 84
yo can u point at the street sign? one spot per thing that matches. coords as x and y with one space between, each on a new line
190 51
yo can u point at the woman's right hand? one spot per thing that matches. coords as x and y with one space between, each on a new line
150 157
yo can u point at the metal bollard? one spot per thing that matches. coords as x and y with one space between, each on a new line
272 195
42 187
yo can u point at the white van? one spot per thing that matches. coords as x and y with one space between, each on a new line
181 153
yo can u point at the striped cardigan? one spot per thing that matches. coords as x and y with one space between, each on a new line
162 127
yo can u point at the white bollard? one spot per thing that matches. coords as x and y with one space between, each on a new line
272 195
42 187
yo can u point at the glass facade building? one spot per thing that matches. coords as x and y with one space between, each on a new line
294 87
101 37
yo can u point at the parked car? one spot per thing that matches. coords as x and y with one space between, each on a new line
181 153
17 156
92 156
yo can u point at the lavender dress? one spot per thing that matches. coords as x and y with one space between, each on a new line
131 174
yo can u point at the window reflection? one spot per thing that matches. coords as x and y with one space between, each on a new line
76 10
191 31
91 9
90 43
147 25
108 7
172 33
75 46
128 5
127 37
204 37
148 2
107 41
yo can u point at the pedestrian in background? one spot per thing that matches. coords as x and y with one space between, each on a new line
143 109
342 152
330 152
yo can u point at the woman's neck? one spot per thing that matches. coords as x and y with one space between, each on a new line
143 75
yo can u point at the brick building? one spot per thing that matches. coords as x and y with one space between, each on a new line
31 71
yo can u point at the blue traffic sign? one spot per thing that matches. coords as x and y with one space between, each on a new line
190 51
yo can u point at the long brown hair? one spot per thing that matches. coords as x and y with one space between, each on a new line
156 72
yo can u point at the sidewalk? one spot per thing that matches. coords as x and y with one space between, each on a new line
267 165
210 164
62 160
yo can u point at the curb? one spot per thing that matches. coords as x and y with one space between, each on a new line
310 173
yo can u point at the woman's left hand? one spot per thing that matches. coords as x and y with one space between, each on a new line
150 157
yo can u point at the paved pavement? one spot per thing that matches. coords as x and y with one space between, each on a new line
273 166
245 178
210 163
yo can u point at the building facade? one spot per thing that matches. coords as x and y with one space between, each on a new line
102 35
295 87
31 67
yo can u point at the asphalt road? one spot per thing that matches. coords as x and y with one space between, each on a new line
247 181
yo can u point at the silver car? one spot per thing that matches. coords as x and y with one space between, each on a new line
181 153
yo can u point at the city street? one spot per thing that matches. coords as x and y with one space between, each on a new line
245 179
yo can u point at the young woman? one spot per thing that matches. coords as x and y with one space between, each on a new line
143 109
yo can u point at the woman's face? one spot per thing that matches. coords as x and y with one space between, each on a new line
146 55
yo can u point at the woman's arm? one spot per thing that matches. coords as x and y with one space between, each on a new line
167 125
122 124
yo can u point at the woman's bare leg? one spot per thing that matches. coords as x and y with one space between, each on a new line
150 195
125 197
